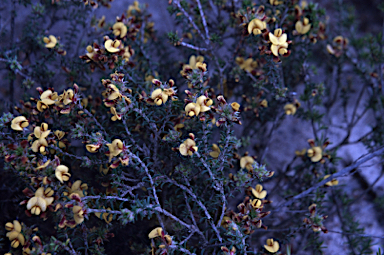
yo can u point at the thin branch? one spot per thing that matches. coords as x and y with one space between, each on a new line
343 172
194 222
177 2
193 47
207 214
203 19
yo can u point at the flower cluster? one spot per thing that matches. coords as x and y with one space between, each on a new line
338 47
160 95
315 220
14 233
40 201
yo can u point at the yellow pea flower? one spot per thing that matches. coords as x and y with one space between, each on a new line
78 214
106 216
37 204
204 103
159 96
247 65
333 182
246 162
115 148
279 42
272 246
16 239
50 42
192 109
255 26
19 123
276 2
256 203
119 29
41 133
48 97
62 174
128 53
193 60
339 45
67 96
194 63
259 192
92 148
113 46
133 8
41 106
216 151
290 109
115 116
201 66
59 134
264 103
235 106
112 92
101 22
188 147
302 27
78 188
315 153
46 194
15 226
155 233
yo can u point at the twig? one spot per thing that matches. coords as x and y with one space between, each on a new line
213 7
193 47
344 171
207 214
94 162
106 197
177 2
193 220
203 19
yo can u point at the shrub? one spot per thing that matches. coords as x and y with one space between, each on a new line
128 148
